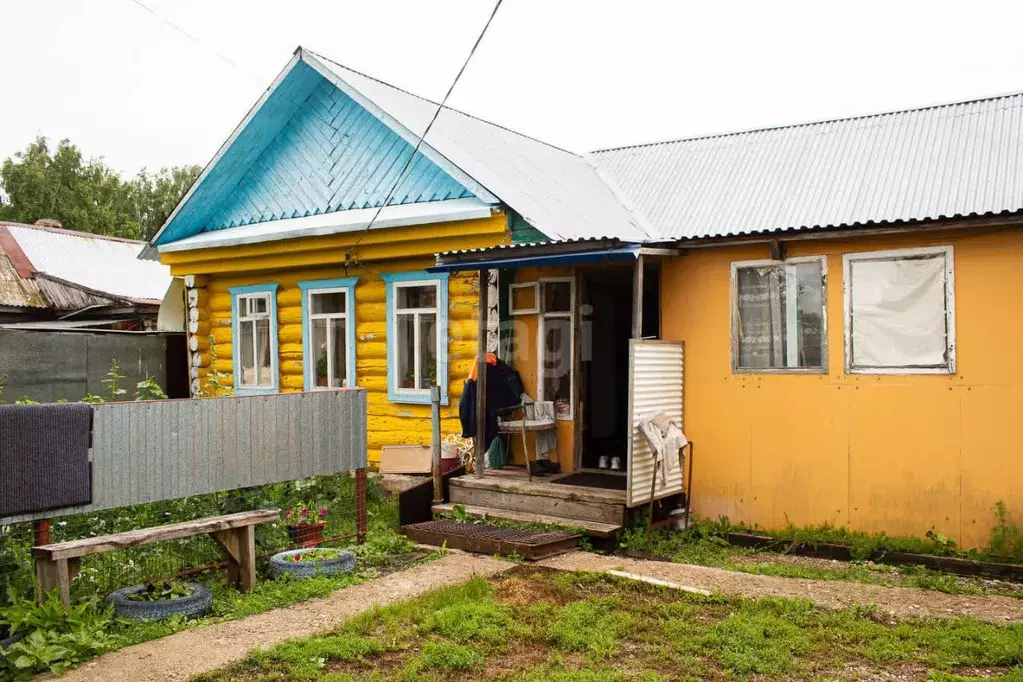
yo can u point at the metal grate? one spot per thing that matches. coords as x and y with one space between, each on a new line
484 538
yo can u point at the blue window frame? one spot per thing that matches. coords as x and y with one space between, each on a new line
254 338
417 335
328 333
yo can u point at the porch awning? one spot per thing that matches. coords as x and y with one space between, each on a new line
497 259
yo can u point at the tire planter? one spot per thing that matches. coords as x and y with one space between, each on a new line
199 603
7 641
344 562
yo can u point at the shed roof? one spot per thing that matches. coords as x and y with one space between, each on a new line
76 269
935 162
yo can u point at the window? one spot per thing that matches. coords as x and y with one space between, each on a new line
522 299
556 338
417 335
779 323
900 311
254 312
328 333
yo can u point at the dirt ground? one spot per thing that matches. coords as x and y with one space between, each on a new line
901 602
191 652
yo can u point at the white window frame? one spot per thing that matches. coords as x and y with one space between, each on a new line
241 314
337 286
541 330
512 310
416 313
790 316
950 320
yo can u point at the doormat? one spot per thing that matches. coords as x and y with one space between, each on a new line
592 479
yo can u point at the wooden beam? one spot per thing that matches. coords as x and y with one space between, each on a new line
481 375
637 299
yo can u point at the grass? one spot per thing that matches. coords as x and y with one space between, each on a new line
534 624
705 546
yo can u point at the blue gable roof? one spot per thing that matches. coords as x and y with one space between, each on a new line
307 149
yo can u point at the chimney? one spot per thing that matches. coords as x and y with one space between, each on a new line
48 222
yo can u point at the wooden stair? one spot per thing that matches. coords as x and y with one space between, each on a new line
596 511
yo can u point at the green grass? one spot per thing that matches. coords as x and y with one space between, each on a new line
535 624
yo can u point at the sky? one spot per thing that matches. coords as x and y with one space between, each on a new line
166 85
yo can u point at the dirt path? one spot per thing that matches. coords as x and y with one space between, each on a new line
182 655
900 601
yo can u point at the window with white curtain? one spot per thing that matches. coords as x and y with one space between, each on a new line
900 311
779 320
255 336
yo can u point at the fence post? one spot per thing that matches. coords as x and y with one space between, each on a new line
360 504
41 532
438 479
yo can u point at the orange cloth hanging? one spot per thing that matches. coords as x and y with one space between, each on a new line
491 360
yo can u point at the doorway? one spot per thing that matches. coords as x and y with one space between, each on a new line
606 322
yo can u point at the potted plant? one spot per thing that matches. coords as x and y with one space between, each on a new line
161 599
305 525
321 371
307 563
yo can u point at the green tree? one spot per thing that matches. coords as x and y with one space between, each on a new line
86 195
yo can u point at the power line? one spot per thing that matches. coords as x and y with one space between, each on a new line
351 250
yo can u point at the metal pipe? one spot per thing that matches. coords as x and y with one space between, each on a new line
481 375
438 479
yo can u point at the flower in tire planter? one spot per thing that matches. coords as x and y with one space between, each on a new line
308 563
156 601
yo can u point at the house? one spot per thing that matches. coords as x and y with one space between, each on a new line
822 306
842 293
306 239
56 278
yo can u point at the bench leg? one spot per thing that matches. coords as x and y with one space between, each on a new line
54 574
240 546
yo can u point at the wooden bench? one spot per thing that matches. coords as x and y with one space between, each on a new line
57 564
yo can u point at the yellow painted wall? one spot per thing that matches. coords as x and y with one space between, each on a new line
898 453
288 262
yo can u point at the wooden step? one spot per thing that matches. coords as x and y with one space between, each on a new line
543 498
593 528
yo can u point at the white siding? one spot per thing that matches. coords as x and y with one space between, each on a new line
656 370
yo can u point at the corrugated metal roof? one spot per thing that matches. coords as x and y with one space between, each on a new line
104 265
558 192
937 162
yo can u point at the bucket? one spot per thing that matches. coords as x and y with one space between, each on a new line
448 458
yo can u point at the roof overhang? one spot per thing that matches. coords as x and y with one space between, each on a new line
339 222
512 256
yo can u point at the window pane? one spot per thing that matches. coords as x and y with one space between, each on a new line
427 349
417 297
257 305
248 364
405 351
898 313
781 316
320 351
263 363
333 302
338 352
557 297
523 298
557 369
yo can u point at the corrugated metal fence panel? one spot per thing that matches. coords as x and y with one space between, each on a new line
656 372
164 450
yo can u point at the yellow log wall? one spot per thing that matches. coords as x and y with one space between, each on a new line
388 423
894 453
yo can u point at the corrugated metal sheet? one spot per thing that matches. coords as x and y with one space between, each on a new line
556 191
332 155
102 264
656 382
171 449
938 162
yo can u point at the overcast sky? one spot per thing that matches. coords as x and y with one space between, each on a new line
583 74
